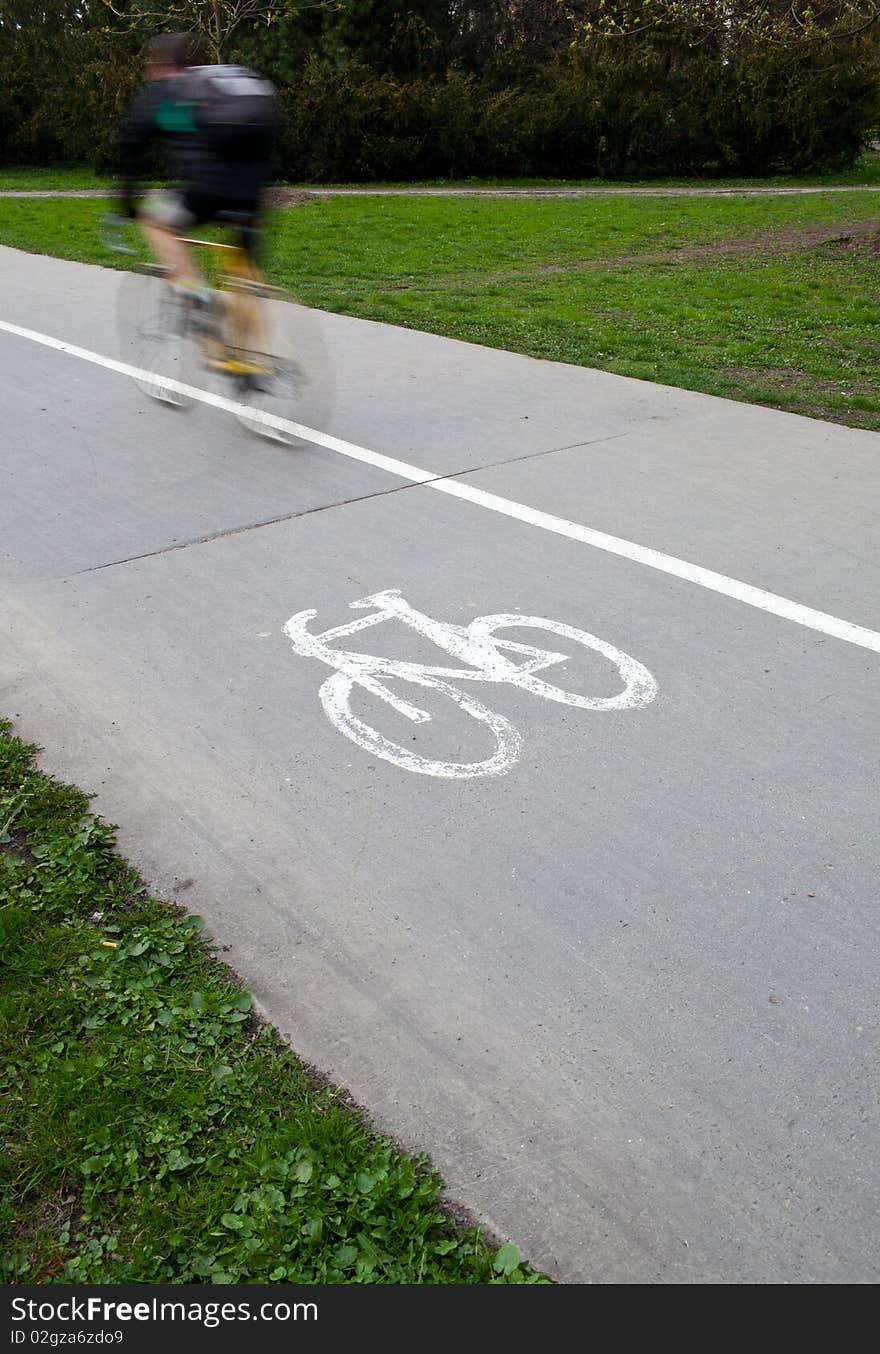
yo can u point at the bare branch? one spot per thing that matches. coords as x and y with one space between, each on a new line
728 21
216 21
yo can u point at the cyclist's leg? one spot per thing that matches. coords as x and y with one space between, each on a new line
245 307
247 235
161 217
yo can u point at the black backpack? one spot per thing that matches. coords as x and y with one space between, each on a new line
236 110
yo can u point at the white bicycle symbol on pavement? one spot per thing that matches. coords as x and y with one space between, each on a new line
490 659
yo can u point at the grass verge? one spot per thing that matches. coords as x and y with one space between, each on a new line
22 178
772 300
155 1131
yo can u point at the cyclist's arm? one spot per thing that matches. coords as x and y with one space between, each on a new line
138 131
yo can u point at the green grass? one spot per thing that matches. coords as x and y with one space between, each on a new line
771 300
641 287
46 180
154 1131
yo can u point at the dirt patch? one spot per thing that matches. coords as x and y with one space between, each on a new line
17 846
802 392
858 240
859 237
782 378
38 1231
289 197
796 379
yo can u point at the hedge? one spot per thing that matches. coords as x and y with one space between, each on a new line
639 109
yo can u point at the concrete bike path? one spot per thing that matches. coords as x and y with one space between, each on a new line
624 992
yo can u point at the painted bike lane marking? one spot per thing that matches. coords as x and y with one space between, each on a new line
490 658
783 607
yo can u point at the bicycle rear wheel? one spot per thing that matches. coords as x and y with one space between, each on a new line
153 335
284 382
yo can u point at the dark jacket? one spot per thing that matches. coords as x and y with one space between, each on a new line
168 111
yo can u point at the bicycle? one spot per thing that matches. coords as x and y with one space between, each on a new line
476 644
265 351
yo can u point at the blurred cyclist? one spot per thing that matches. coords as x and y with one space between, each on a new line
218 123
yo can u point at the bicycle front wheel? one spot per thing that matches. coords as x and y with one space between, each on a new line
639 687
284 383
153 337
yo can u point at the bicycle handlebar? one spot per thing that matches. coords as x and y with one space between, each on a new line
109 233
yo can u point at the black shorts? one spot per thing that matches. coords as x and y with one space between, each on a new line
193 207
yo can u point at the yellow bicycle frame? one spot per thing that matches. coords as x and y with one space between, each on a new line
243 349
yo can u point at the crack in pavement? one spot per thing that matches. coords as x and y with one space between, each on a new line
242 528
340 503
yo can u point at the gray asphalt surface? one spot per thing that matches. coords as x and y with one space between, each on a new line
625 994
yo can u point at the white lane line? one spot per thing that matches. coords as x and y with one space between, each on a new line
400 468
668 564
770 602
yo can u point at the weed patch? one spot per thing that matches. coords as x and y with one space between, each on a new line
156 1131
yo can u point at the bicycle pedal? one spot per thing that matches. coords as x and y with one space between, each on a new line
196 312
